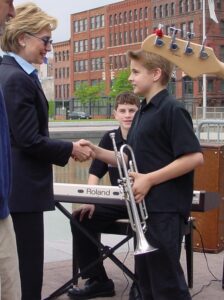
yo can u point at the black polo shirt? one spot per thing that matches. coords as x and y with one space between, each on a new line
99 168
162 131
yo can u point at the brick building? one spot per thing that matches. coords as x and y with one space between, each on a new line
100 38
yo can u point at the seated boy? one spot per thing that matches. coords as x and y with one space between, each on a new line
95 218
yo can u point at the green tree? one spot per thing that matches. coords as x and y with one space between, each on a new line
51 110
89 94
121 83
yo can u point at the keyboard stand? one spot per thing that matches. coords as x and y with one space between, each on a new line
105 251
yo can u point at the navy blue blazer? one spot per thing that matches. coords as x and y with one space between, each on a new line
33 152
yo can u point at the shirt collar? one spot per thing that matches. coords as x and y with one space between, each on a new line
155 99
25 65
118 136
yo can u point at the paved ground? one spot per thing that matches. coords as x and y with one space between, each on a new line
58 272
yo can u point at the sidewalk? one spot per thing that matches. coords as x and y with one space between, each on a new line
58 270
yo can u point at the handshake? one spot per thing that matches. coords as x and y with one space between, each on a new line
83 150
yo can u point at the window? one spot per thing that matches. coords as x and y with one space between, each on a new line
172 9
125 17
191 26
120 18
140 34
85 45
166 10
130 15
222 86
210 85
125 37
85 25
135 14
193 5
146 32
111 39
146 13
81 46
115 39
183 32
98 21
102 21
172 86
81 65
94 82
222 53
130 37
76 26
222 28
140 14
187 86
81 25
187 6
120 38
199 4
161 11
111 20
136 35
181 6
92 22
154 12
115 19
92 41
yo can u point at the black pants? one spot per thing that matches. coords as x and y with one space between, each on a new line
87 251
160 274
29 229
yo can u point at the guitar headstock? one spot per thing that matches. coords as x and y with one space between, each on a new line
192 58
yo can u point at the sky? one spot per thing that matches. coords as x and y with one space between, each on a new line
62 10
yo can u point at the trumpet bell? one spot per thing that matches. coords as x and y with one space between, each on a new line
143 247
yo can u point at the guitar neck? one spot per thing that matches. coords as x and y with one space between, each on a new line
193 65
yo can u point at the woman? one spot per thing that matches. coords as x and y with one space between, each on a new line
26 40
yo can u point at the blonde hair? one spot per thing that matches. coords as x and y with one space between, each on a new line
29 18
152 61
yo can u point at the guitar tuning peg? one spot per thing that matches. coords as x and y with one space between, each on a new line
203 54
173 44
188 50
159 34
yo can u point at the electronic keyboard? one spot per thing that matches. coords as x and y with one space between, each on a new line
102 194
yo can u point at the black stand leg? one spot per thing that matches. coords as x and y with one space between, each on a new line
189 252
104 250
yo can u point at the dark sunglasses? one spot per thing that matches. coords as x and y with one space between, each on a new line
46 40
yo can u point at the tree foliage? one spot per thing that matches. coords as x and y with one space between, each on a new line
51 110
86 93
121 83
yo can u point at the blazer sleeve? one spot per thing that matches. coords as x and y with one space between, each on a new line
27 110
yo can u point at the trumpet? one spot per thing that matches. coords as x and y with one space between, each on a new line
137 212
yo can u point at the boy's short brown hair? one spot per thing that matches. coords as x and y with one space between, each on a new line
152 61
127 98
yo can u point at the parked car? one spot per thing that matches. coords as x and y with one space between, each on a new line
79 115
